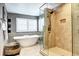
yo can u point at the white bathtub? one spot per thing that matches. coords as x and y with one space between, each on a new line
27 40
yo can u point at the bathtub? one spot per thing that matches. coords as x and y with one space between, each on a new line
27 40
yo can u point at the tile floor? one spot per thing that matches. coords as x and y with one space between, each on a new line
56 51
31 51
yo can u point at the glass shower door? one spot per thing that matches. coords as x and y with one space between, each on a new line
75 23
57 37
42 28
45 13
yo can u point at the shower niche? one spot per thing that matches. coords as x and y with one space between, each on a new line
61 30
62 20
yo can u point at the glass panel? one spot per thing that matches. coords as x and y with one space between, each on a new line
75 20
42 29
41 23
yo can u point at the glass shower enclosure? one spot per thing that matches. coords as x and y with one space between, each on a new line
45 12
61 29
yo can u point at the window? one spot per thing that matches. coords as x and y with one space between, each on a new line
41 24
26 25
32 25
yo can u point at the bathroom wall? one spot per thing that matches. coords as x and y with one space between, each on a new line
62 27
13 17
53 34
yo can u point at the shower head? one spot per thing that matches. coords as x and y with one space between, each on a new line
51 12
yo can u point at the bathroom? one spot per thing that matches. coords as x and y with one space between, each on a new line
39 29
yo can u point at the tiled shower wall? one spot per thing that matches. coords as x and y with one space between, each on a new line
62 27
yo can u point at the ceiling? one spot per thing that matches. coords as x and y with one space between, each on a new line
27 8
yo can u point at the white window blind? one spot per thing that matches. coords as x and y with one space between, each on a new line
32 25
26 25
